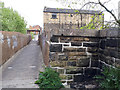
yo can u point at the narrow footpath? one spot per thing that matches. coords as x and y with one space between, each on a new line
23 70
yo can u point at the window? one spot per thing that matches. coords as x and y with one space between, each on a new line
54 16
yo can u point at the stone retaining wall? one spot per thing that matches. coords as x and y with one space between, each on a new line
80 55
44 48
109 50
75 56
10 43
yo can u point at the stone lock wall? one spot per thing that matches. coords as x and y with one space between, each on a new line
10 43
79 55
75 56
109 50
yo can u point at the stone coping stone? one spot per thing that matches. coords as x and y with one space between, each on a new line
110 33
72 32
7 34
113 32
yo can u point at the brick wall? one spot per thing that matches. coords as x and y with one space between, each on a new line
10 43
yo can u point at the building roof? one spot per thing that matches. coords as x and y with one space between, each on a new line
72 11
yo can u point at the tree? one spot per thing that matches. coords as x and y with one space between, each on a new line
94 5
11 20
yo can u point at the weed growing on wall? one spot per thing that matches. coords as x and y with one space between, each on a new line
49 79
110 78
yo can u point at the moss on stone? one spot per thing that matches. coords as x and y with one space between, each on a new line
63 76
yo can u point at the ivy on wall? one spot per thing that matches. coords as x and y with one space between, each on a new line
97 22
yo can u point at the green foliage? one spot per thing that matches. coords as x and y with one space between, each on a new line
76 11
12 21
49 79
32 34
110 78
95 23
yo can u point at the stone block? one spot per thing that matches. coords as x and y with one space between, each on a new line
76 57
113 32
58 64
77 86
94 39
78 39
74 70
92 50
76 44
62 64
79 78
71 63
95 57
101 51
119 42
110 60
63 76
61 71
106 52
62 57
91 44
69 77
52 56
92 72
102 44
103 33
94 63
86 39
111 43
102 57
65 39
65 44
83 62
69 82
54 39
77 53
91 33
82 78
114 54
117 62
72 49
54 63
119 55
56 48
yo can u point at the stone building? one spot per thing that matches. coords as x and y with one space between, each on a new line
61 19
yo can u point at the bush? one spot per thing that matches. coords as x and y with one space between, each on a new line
49 79
110 78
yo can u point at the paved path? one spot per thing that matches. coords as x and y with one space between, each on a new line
24 69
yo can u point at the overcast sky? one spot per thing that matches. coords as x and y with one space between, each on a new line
32 10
